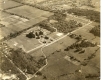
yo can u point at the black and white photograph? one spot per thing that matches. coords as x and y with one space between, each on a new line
50 39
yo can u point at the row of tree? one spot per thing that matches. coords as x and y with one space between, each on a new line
79 45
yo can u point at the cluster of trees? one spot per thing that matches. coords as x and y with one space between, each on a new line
90 14
96 31
34 34
45 25
7 67
26 62
59 16
77 37
74 59
66 26
79 45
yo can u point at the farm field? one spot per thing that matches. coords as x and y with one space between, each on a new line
87 35
27 10
17 21
57 66
61 44
3 15
6 4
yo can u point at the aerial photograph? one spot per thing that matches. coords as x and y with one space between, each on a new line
50 39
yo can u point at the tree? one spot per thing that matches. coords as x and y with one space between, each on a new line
30 35
40 33
79 25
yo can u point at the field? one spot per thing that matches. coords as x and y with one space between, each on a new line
57 67
3 15
87 35
27 10
61 44
16 17
6 4
81 57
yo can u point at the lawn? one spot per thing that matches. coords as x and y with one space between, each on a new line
23 42
27 10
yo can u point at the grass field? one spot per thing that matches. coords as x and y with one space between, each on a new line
27 10
8 4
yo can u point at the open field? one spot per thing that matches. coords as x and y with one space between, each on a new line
58 45
27 10
6 4
57 67
87 35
